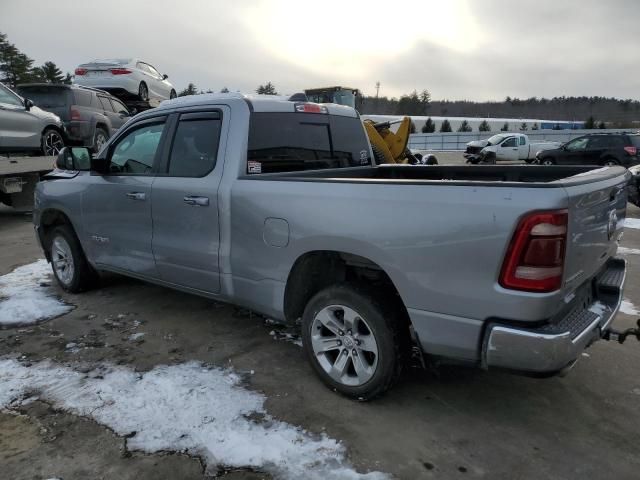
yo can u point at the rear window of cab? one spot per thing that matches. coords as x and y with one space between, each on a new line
290 142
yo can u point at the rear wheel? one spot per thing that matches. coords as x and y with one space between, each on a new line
610 162
99 139
69 264
353 341
143 92
52 142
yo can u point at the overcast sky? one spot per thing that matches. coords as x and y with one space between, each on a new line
473 50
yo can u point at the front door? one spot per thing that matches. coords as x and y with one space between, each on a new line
508 150
574 152
117 207
19 128
186 234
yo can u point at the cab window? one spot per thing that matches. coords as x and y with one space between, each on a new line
135 152
510 142
195 145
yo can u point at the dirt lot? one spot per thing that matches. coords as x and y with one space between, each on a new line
446 423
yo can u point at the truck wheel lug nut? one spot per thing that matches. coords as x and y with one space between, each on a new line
354 352
339 343
340 332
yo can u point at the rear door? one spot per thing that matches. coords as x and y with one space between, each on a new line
19 128
116 208
186 236
122 114
109 111
597 148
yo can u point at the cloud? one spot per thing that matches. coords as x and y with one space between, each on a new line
461 49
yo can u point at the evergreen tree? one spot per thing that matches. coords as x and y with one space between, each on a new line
268 89
535 126
446 126
601 125
429 126
190 90
425 100
464 127
224 90
68 80
505 127
590 123
523 127
51 73
15 67
484 126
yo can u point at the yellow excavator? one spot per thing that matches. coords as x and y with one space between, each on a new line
388 146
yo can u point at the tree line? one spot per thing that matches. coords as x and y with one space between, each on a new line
592 110
16 67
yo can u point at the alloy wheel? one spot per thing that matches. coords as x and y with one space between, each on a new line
62 260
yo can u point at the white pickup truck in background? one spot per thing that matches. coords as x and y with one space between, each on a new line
505 147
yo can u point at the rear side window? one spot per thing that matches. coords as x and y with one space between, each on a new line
618 142
106 104
523 141
82 98
118 106
195 145
635 140
289 142
600 142
47 97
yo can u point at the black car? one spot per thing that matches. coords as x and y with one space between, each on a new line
595 149
90 116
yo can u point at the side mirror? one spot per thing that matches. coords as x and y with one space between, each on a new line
28 104
165 76
74 158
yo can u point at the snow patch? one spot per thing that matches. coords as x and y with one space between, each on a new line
632 222
628 251
629 308
25 297
134 337
188 408
598 308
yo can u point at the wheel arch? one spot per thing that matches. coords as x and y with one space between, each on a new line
49 219
315 270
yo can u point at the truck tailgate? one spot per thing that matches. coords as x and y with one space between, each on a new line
597 206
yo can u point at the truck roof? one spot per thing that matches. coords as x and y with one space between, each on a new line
257 103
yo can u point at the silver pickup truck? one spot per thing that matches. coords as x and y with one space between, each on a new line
277 206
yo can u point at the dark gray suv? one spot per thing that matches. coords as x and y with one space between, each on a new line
90 116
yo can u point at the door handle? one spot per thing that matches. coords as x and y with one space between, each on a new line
137 196
196 201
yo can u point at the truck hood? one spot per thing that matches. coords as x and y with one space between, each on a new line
478 143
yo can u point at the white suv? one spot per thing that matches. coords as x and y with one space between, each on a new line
126 78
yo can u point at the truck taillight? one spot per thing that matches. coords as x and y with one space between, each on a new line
74 114
535 258
120 71
631 151
81 71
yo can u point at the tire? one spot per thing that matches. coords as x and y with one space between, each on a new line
547 161
100 137
143 92
351 328
172 95
610 162
51 142
69 264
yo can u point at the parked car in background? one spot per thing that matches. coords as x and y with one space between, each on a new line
633 187
90 115
595 149
126 78
26 128
506 147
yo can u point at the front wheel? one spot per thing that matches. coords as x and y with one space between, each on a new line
548 161
353 341
70 266
52 142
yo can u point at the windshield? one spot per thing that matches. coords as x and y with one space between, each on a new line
495 139
345 97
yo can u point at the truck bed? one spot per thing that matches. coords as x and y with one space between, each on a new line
21 165
494 175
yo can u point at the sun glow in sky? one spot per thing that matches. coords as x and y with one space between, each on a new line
354 36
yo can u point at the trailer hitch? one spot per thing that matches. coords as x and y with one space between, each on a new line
620 337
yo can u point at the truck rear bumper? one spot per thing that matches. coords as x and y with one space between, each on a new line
553 347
